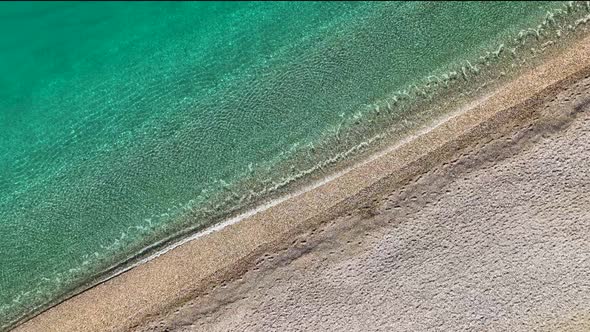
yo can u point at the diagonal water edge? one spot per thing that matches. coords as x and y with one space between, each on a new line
467 70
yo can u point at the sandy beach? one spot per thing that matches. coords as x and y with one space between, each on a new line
478 223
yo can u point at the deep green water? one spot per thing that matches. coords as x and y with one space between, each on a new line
122 124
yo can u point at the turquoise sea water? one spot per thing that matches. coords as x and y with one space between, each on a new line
123 124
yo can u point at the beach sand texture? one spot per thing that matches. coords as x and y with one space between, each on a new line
480 223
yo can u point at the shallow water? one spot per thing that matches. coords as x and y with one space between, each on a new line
122 124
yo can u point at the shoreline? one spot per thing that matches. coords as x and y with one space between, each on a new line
211 259
499 223
383 132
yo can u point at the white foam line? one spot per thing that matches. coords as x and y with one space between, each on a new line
220 226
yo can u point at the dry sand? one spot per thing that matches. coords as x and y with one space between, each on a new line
481 223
